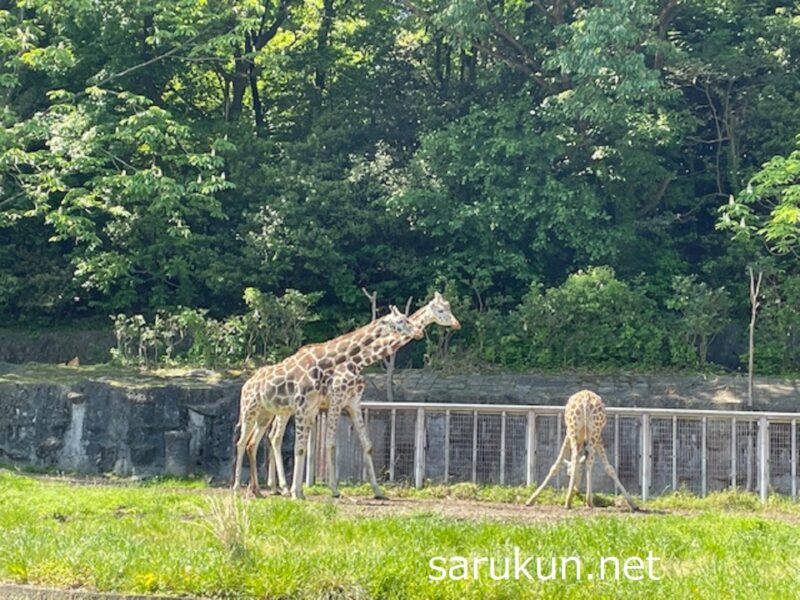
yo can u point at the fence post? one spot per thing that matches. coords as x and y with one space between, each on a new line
364 462
704 458
419 448
645 456
793 430
616 451
392 443
447 446
763 458
734 454
475 446
674 453
503 448
530 458
558 445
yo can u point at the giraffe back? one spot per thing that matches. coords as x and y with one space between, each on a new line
585 415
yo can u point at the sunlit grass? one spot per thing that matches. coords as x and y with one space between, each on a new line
165 538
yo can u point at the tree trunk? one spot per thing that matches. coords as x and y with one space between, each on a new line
755 286
321 71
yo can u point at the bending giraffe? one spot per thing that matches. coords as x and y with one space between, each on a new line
296 386
436 311
585 416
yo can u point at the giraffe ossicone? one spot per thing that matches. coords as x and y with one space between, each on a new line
585 417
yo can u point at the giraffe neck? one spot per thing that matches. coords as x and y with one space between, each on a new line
353 344
385 345
421 318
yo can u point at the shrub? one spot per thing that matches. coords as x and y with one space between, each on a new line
592 320
271 329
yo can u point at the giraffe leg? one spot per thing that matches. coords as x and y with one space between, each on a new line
578 477
601 452
252 453
334 412
574 471
553 470
589 463
245 433
304 421
354 408
276 457
272 476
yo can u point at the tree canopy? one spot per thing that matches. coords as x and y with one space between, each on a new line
525 155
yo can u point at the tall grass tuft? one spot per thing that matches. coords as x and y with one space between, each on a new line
226 518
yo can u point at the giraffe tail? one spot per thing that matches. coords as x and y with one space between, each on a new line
237 431
584 452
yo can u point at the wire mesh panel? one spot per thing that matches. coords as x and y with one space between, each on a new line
548 443
780 458
662 455
689 455
601 482
719 451
379 428
405 423
487 467
629 454
461 431
746 455
349 455
516 451
435 448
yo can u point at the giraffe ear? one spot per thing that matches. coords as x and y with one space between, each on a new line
437 296
395 311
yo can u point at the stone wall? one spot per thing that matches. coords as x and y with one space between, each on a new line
99 427
723 392
146 426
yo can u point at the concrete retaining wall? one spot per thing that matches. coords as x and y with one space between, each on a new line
186 424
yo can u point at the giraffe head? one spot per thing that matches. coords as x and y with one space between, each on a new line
439 309
398 323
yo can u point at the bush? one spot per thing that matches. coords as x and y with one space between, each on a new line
271 329
592 320
703 312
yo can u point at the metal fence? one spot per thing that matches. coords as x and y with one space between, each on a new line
653 450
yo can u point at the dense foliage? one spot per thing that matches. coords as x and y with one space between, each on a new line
588 180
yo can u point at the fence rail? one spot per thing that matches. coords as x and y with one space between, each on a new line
653 450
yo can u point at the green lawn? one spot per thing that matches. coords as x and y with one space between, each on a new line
175 538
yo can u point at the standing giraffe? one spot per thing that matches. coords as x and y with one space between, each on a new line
296 386
352 382
585 416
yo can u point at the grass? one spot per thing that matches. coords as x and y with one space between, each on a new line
115 375
681 500
173 538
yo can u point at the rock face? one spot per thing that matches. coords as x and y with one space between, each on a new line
186 425
97 427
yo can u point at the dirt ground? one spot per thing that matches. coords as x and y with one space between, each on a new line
467 510
451 508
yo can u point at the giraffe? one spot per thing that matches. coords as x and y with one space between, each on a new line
436 311
296 385
585 416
